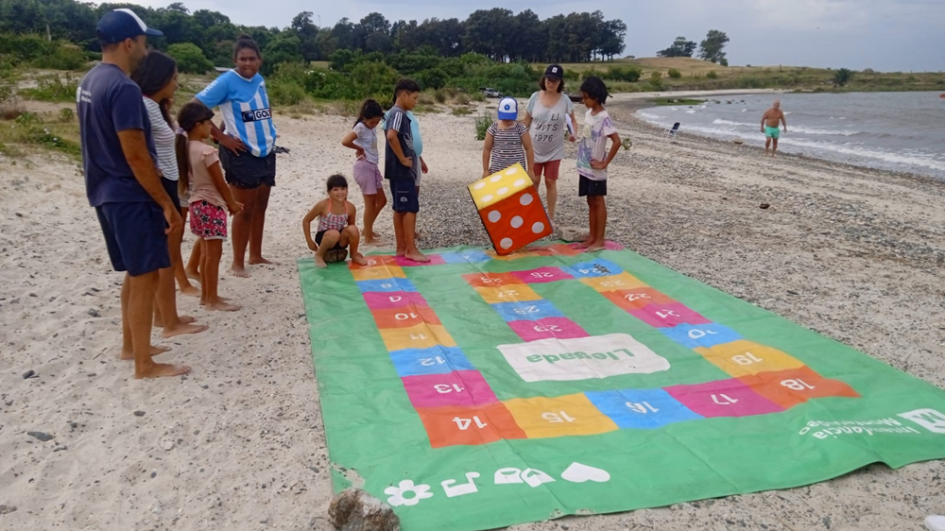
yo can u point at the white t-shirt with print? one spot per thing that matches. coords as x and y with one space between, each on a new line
593 146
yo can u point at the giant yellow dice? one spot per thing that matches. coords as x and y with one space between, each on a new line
511 209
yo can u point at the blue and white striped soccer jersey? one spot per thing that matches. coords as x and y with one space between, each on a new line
245 107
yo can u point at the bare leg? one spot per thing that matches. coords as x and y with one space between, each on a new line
213 250
329 239
127 348
399 233
166 299
193 265
242 226
371 211
140 301
600 225
410 231
767 145
177 260
258 226
774 147
551 189
592 222
353 239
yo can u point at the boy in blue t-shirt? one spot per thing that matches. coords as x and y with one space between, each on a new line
401 168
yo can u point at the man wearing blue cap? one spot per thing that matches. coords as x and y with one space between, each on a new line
122 181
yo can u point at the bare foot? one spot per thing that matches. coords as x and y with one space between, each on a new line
192 275
190 291
320 262
358 258
595 247
184 329
260 260
585 244
220 306
155 351
369 241
157 370
417 256
186 319
239 272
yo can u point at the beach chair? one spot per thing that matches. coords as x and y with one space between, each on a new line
673 132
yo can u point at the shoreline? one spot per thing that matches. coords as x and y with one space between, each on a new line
636 105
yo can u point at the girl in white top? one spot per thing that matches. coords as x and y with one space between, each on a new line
157 77
545 116
363 140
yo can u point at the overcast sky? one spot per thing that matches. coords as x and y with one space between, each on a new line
887 35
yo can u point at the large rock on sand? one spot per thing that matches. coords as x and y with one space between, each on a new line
356 510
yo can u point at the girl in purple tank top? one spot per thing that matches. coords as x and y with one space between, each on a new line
336 228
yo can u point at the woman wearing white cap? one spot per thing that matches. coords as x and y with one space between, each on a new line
545 116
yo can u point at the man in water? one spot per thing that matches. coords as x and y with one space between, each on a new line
769 126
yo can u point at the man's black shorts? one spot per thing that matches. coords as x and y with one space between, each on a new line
403 193
247 171
134 236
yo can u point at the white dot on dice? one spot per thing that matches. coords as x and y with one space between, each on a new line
510 171
479 186
525 200
538 227
520 182
502 191
496 179
506 243
494 216
487 197
517 222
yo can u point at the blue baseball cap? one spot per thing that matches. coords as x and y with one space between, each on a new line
120 24
508 109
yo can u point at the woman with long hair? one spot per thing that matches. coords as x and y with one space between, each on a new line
157 77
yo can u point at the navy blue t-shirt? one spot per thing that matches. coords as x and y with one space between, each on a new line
108 101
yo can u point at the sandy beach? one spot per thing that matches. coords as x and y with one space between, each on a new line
857 255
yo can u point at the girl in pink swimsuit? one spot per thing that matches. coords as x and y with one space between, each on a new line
336 228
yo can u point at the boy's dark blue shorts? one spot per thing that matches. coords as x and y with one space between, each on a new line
134 236
403 193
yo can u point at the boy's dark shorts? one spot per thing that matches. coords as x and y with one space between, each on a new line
591 188
403 193
134 236
247 171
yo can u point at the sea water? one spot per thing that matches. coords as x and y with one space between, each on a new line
898 131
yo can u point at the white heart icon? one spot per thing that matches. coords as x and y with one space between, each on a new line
578 473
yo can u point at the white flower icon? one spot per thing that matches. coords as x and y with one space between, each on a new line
397 498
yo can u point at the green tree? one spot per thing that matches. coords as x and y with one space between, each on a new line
307 32
283 48
190 58
711 47
842 76
681 48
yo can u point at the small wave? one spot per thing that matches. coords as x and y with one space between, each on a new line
722 121
649 116
690 111
907 158
816 131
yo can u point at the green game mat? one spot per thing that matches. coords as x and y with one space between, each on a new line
478 391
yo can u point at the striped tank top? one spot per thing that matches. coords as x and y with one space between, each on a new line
507 146
331 221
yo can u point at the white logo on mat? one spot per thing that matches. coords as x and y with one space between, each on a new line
930 419
582 358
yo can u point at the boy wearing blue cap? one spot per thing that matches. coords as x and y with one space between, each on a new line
122 181
507 142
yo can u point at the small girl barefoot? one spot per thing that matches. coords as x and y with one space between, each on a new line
358 258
